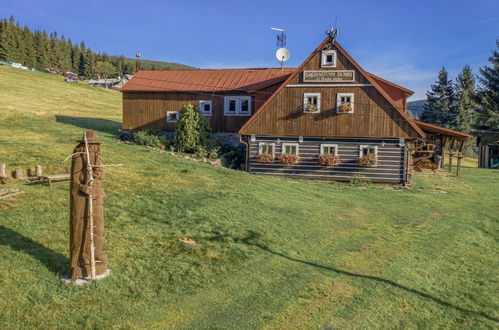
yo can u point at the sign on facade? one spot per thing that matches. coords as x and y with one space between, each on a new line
329 76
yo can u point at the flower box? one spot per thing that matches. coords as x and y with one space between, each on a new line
329 160
311 107
289 159
369 160
265 158
345 107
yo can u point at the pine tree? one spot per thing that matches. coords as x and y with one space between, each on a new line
40 50
489 92
467 105
89 64
439 108
187 130
30 51
7 41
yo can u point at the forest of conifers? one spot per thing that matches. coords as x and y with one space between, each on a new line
40 50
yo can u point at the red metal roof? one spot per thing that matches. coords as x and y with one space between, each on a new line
206 79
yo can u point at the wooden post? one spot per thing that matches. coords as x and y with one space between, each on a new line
451 153
443 140
18 173
459 157
3 170
38 171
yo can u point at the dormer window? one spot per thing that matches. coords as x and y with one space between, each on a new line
205 107
344 103
312 102
328 59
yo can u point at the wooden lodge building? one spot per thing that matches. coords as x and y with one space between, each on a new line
327 119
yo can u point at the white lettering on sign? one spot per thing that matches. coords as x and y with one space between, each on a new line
329 76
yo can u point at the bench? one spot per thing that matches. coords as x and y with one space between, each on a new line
54 177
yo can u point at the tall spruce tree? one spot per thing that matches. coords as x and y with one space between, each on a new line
439 108
467 105
489 94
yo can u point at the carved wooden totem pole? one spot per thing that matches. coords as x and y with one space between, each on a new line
88 260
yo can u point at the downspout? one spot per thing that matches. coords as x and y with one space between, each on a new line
246 166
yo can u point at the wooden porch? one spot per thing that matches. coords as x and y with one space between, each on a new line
438 139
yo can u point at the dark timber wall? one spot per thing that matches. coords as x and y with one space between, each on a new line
390 168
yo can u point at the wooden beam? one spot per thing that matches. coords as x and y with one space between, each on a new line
443 140
451 153
459 157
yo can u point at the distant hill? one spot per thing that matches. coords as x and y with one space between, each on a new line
158 65
416 108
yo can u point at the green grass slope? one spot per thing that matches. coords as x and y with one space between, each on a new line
273 253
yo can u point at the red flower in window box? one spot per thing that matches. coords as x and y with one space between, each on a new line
329 160
310 107
345 107
289 159
369 160
265 158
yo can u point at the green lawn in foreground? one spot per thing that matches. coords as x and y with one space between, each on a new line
273 253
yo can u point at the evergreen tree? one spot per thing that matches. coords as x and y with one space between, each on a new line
439 108
30 51
187 130
89 64
40 50
467 105
7 41
489 92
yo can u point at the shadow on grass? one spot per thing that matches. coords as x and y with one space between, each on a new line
96 124
251 240
55 262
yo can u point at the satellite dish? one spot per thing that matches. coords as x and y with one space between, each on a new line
282 54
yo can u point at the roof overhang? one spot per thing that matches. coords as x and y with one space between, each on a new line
443 131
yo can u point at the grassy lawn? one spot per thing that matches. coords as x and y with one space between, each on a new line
273 253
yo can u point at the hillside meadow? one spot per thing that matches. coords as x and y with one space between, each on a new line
273 253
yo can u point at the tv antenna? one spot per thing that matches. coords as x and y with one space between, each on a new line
282 54
333 33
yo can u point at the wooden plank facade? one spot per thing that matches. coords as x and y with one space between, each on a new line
389 169
330 99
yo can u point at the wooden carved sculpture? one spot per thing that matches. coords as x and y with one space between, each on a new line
88 260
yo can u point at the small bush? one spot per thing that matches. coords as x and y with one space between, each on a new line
233 157
359 179
152 138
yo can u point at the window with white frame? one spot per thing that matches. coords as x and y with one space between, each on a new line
312 102
329 149
237 105
172 116
328 59
365 150
290 148
205 107
345 102
266 148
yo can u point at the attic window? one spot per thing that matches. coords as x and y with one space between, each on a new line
172 116
237 105
328 59
345 102
205 107
312 102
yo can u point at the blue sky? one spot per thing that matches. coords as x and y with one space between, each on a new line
406 42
